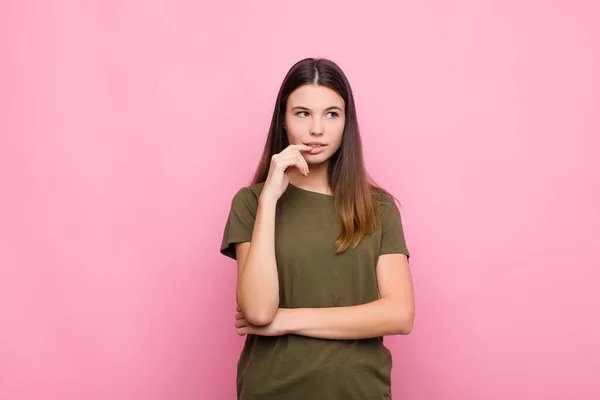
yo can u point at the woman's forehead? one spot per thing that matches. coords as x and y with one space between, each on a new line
315 97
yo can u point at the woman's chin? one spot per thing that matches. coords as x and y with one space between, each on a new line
313 159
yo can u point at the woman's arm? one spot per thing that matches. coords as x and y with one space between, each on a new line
258 284
257 281
392 314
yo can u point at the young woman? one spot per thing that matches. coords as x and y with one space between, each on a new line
321 255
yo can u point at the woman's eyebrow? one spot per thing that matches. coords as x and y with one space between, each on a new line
308 109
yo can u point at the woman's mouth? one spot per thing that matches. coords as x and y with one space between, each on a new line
316 148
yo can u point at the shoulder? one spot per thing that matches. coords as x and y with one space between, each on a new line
255 190
383 199
392 232
388 209
248 195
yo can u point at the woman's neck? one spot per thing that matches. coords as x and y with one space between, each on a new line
316 180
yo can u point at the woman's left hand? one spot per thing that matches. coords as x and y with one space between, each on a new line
276 328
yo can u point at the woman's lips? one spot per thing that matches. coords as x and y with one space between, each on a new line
316 148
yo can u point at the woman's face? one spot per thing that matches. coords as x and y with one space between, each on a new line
315 116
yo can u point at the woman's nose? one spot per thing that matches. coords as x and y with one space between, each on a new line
316 129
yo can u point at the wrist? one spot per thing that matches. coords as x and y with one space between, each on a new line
290 325
267 201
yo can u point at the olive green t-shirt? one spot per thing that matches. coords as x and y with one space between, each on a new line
311 275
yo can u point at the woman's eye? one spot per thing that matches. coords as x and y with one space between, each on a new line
301 114
332 114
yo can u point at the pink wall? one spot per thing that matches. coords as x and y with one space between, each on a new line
127 126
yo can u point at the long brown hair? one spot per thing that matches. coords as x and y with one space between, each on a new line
352 187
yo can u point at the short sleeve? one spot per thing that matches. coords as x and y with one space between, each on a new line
240 223
392 235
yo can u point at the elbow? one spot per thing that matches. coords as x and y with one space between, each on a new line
404 322
258 312
260 317
405 329
400 317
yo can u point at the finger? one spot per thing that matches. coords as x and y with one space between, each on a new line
240 323
284 161
306 164
299 147
238 309
295 159
242 331
302 164
239 316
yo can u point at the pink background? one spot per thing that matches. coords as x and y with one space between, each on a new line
127 126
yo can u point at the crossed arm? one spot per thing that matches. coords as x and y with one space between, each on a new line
391 314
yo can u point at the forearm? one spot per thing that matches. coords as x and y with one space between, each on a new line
258 284
379 318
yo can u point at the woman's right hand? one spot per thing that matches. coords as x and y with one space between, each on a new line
282 166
